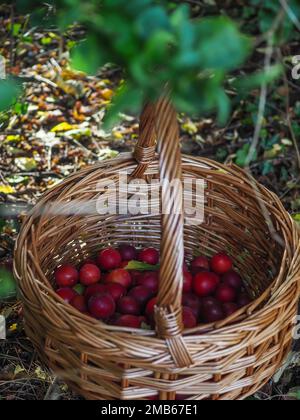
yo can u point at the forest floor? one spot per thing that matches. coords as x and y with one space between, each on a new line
55 129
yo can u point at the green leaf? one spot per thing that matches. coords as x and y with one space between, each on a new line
242 156
87 56
255 80
223 107
273 152
267 15
21 108
47 40
296 217
79 288
294 393
16 29
268 167
221 45
8 287
157 47
126 100
9 91
179 17
133 7
28 39
153 19
140 266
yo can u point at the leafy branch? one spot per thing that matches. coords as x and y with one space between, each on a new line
158 45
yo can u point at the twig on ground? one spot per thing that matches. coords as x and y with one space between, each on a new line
38 78
3 179
271 30
52 393
85 149
49 158
37 174
264 87
290 13
259 125
288 105
284 194
262 105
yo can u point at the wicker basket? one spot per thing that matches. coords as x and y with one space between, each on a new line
228 360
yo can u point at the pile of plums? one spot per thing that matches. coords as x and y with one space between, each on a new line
120 287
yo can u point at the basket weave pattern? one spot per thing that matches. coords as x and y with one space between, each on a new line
227 360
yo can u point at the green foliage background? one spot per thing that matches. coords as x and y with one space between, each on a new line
158 45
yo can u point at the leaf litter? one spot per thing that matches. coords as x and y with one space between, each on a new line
56 129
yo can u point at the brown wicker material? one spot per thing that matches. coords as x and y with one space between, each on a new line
228 360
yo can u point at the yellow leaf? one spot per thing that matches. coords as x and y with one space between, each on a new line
190 127
71 87
26 164
71 74
222 171
64 126
274 152
64 387
40 374
13 327
18 369
6 189
107 94
16 137
118 135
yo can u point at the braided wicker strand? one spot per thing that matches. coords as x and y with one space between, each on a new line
145 149
168 315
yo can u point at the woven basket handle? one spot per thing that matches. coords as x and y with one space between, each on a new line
159 123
